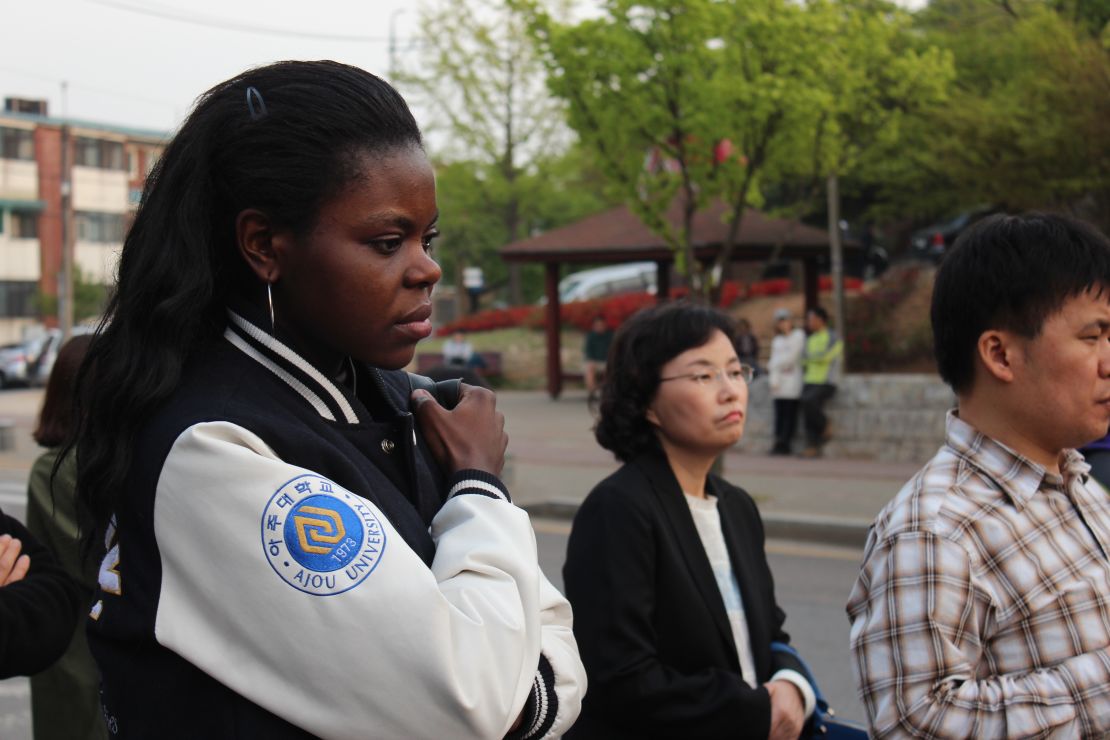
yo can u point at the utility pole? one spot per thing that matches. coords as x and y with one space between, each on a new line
393 42
65 286
836 257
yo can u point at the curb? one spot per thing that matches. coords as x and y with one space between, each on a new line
825 530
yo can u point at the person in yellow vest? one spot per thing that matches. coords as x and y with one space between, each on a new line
822 369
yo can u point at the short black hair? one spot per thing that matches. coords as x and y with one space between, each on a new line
820 312
1010 273
641 347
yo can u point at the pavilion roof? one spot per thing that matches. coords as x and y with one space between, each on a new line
617 235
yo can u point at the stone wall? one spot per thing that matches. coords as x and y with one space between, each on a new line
894 418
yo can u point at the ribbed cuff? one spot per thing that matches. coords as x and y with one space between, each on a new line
808 697
541 707
477 482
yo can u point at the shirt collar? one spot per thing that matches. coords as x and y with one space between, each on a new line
1018 476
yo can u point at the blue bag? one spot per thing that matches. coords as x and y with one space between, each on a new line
825 723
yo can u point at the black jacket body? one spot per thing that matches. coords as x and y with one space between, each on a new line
38 613
650 621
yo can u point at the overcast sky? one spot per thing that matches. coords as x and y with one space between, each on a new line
144 69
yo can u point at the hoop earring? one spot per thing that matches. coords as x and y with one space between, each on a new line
270 300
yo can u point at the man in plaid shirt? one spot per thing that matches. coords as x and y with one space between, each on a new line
982 607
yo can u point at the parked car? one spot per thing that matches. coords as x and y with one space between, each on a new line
632 277
934 240
866 263
29 363
39 370
18 364
13 363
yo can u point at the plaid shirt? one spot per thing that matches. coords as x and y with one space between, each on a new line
982 607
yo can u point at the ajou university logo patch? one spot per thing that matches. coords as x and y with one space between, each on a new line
319 538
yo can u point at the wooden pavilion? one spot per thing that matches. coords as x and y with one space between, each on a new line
617 235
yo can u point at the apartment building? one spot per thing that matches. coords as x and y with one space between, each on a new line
106 167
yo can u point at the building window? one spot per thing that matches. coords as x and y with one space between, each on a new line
99 227
17 298
16 143
25 225
107 155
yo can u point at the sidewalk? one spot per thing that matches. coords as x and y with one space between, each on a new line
555 461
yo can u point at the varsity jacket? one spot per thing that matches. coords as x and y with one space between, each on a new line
290 562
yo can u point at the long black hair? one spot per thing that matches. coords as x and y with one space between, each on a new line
281 139
641 347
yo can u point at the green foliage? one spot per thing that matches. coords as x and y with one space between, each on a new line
89 299
1027 124
505 161
553 191
654 87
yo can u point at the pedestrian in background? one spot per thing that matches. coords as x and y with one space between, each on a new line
747 345
674 603
785 370
822 370
457 351
981 607
65 702
595 351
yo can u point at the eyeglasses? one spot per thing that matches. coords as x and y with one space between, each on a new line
731 376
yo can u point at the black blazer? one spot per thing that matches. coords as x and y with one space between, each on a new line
649 618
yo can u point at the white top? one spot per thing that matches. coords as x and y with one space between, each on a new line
457 353
707 520
785 364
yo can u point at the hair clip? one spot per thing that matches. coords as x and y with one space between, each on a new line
254 98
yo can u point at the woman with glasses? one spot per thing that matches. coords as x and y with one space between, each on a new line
673 599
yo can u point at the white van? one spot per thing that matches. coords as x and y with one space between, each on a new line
631 277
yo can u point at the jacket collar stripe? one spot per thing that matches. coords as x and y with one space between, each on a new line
294 371
285 354
298 386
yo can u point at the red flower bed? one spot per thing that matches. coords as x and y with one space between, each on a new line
497 318
777 286
852 284
616 309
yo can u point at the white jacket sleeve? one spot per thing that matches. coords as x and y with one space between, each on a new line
300 596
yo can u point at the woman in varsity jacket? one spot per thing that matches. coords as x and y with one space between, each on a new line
297 544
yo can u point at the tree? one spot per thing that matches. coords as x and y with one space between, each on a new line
552 191
1027 124
89 298
873 74
478 71
687 102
